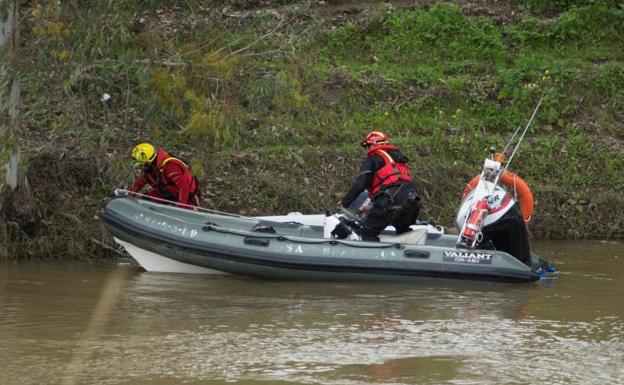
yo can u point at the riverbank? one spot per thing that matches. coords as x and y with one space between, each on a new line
268 102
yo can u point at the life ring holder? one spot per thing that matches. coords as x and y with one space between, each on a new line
521 188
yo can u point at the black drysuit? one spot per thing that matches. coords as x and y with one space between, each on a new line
397 204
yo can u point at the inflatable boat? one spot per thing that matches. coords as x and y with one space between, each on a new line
165 238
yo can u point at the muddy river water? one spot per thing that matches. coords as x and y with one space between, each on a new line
112 323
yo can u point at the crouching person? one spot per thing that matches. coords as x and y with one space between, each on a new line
385 174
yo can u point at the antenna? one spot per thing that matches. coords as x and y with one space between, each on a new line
519 141
511 140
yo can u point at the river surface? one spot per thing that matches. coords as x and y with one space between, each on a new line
112 323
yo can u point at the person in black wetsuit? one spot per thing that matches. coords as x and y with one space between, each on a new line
385 174
509 234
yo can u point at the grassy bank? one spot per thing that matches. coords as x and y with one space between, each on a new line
269 99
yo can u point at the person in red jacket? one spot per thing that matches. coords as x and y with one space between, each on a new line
385 174
169 177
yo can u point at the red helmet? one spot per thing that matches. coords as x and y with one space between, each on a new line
375 138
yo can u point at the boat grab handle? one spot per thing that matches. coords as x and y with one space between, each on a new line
256 241
416 254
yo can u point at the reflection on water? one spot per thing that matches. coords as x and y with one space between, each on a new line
113 324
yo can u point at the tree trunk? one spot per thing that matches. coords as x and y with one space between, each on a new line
9 98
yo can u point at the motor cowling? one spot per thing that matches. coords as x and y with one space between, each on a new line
500 202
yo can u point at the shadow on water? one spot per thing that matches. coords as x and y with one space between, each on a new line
98 319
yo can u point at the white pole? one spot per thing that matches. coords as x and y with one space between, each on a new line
9 95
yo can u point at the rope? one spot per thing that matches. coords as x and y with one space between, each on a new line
299 239
122 193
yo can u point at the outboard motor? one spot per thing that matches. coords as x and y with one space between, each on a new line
489 217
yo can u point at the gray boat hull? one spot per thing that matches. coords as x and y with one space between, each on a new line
213 243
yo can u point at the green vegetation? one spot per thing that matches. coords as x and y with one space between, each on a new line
269 99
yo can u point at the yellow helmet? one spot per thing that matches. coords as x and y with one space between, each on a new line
143 153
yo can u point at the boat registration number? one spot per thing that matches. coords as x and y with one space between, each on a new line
468 257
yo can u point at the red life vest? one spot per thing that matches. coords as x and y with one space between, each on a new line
167 187
392 172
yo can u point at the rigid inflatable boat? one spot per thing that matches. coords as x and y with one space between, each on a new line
165 238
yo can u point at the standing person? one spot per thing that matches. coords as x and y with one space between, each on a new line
169 177
385 174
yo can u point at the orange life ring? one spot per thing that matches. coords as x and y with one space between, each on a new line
525 196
